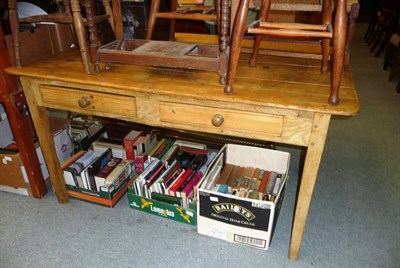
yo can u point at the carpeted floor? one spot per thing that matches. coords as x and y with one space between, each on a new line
354 219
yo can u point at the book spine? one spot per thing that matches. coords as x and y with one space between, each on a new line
263 184
129 141
102 174
173 189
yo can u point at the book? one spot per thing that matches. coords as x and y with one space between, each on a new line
141 178
233 178
185 158
224 176
118 175
69 176
160 143
140 163
102 174
270 185
174 187
95 166
188 190
151 179
118 150
253 181
129 141
72 173
192 150
170 153
277 187
197 163
263 184
192 144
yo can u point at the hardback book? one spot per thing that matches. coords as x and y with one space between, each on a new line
151 179
156 148
188 190
174 187
69 177
270 185
72 173
225 173
141 179
192 144
277 187
118 150
233 177
198 162
263 184
119 174
129 141
95 166
102 174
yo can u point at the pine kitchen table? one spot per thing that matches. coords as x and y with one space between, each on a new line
282 100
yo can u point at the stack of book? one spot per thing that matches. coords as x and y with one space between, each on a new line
173 170
249 182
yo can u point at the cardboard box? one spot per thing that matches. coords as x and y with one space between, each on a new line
244 221
101 198
13 176
155 207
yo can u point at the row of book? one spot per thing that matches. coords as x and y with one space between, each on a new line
172 171
249 182
97 172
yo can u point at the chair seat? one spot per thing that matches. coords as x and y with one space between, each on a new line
291 29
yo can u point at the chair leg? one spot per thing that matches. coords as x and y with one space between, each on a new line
326 20
265 7
238 31
14 25
154 8
339 43
80 34
172 22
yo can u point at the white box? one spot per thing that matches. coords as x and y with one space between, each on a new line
241 220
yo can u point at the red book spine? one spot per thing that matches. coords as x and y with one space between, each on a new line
264 181
177 184
129 141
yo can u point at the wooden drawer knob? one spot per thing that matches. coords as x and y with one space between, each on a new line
217 120
84 102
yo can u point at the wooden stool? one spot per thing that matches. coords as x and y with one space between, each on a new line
70 15
205 57
326 32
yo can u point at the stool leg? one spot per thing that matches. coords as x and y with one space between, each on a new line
80 34
326 20
265 7
14 25
238 31
339 42
154 8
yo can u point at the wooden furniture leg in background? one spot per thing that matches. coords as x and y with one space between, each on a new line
41 121
308 179
14 101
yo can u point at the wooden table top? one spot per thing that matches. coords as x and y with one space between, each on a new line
276 82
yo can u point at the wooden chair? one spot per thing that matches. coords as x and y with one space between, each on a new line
70 15
181 10
326 32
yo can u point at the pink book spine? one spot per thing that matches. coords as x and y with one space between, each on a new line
189 188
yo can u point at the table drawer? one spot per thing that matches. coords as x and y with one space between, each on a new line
82 101
224 120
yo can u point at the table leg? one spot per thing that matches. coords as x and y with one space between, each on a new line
308 179
42 125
